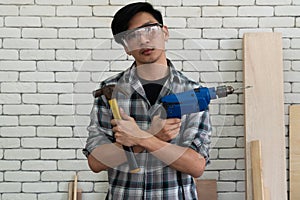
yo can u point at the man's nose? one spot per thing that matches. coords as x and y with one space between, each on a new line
144 39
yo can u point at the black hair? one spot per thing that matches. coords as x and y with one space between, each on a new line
124 15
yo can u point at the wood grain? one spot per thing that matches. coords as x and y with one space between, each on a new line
294 152
264 110
206 189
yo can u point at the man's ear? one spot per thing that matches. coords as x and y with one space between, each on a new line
166 32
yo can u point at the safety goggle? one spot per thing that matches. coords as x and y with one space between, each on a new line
148 31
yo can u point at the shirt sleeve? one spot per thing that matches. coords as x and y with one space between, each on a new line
197 133
99 131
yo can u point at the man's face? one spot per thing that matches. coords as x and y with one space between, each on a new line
145 39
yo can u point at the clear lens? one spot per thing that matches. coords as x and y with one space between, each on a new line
149 31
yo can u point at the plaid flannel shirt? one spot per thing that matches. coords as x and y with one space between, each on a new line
156 180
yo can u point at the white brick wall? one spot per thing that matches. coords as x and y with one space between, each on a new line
53 53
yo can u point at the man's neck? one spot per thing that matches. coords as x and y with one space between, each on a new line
153 71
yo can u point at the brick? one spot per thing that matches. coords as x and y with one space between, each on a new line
85 87
59 22
38 142
232 109
236 2
105 11
296 65
219 11
21 196
291 54
185 55
57 109
8 54
22 154
295 44
37 54
57 44
22 21
55 88
10 32
200 2
73 165
289 32
59 154
83 109
9 143
8 77
75 99
37 120
90 2
93 44
39 33
220 33
37 10
90 176
8 120
40 98
72 77
204 22
56 66
17 66
292 98
232 153
76 33
37 76
80 131
54 132
95 22
218 55
226 187
277 22
16 1
53 2
10 187
254 11
200 66
54 195
40 187
239 22
296 87
175 22
101 187
273 2
231 44
20 109
22 176
236 131
40 165
73 54
287 11
6 165
102 33
222 120
74 11
231 195
71 143
200 44
17 131
221 165
183 11
57 176
10 10
20 43
72 120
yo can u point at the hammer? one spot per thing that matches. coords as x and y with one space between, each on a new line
107 91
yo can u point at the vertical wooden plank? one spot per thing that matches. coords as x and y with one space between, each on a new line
294 152
264 110
206 189
257 179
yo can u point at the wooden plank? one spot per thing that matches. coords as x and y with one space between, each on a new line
294 152
264 110
75 187
206 189
256 162
70 192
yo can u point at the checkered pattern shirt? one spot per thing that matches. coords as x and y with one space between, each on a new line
156 180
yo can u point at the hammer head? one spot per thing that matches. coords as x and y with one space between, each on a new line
108 91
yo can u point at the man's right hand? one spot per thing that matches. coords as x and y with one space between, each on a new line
165 129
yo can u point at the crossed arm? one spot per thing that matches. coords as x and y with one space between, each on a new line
155 140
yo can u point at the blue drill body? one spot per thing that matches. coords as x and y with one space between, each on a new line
192 101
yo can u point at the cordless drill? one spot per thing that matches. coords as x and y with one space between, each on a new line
193 101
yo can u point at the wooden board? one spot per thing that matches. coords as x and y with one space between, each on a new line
206 189
256 164
294 152
264 110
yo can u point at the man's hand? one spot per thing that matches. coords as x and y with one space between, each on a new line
165 129
126 130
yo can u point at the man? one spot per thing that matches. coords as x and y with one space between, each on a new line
169 152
